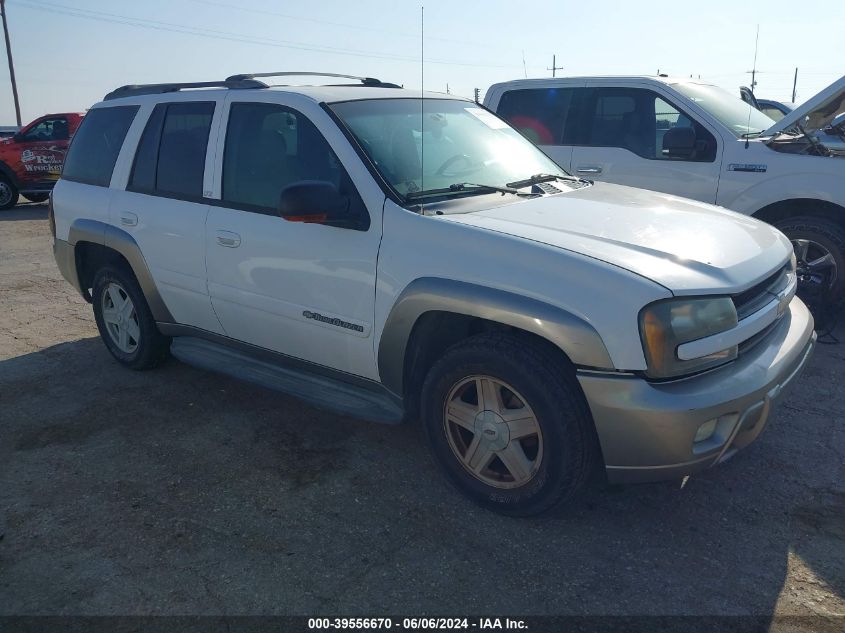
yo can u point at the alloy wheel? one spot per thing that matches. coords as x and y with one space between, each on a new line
493 432
815 263
120 318
5 193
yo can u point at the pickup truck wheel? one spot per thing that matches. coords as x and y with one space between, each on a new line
37 197
820 251
509 425
8 194
125 322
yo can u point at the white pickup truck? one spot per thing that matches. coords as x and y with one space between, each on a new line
396 256
695 140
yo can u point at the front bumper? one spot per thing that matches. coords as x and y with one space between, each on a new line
646 429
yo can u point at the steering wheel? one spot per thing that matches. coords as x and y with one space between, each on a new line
441 171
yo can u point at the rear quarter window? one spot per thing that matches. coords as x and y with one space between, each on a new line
540 114
96 144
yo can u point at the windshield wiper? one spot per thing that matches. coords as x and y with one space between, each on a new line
538 178
462 187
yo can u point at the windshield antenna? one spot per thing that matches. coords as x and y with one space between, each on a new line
422 101
753 83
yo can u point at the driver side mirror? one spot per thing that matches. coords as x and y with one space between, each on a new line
679 142
315 202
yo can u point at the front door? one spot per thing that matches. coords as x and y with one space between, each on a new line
637 137
39 152
303 289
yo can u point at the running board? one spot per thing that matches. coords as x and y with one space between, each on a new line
321 391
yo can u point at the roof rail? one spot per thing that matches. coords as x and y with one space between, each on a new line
153 89
366 81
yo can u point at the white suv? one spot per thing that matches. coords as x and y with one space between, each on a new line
397 256
695 140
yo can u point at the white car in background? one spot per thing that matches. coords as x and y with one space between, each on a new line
691 139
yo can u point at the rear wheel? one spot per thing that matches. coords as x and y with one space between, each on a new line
125 322
508 424
37 197
820 252
8 194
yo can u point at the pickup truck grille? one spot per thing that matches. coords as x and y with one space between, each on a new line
757 296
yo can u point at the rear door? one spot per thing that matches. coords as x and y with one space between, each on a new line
637 136
546 115
163 207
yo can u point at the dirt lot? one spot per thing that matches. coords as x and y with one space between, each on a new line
182 492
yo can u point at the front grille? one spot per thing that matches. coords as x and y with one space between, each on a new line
751 300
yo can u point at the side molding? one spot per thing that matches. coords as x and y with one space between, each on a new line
577 338
122 242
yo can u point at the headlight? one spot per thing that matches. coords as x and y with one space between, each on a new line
667 324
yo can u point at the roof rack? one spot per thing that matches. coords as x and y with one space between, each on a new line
235 82
366 81
155 89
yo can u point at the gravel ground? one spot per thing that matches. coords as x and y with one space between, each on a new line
178 491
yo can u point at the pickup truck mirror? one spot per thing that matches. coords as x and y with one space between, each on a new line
679 142
314 201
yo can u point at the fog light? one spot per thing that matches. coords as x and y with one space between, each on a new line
705 431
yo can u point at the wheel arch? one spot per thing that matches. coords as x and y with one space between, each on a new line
793 207
96 244
432 314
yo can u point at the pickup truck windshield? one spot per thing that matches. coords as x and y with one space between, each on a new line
739 117
445 142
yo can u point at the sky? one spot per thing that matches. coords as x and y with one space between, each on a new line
69 53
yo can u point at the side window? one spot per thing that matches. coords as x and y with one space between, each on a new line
48 130
541 114
646 124
96 144
170 159
269 147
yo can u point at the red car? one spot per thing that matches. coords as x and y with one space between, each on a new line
31 161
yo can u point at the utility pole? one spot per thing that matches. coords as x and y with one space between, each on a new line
794 85
554 67
11 64
476 95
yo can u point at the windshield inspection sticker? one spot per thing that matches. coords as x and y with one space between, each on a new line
747 167
488 119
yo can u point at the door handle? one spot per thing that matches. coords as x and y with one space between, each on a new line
228 239
128 219
589 169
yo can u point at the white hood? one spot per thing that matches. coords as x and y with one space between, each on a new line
821 109
687 246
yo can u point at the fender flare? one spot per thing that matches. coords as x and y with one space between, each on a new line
118 240
574 336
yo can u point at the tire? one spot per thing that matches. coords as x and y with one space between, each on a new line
821 236
531 382
8 194
128 330
37 197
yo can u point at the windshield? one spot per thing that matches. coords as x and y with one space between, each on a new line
448 142
739 117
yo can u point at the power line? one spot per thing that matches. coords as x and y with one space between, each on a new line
347 25
102 16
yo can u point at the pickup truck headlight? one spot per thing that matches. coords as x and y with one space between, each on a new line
665 325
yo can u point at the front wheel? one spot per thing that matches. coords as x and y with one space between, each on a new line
820 253
125 322
508 423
